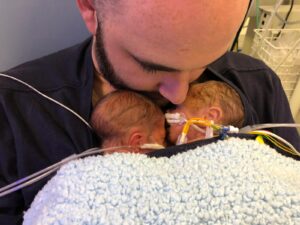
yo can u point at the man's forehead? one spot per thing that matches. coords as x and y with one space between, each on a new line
185 27
177 10
182 16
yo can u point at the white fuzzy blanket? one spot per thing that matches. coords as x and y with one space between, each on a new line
229 182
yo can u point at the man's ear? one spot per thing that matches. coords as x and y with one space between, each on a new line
88 12
214 113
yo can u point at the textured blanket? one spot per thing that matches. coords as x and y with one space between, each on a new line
229 182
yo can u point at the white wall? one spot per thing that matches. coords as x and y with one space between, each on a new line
33 28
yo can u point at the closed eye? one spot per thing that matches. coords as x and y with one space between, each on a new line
151 67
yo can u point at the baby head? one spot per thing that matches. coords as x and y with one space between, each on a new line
125 118
211 100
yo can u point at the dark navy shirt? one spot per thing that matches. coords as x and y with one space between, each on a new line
36 133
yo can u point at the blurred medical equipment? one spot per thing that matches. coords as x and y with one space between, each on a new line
207 126
270 33
222 130
277 43
267 14
280 49
278 16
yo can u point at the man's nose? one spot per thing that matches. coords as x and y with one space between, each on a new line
175 88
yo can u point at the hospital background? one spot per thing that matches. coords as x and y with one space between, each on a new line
271 32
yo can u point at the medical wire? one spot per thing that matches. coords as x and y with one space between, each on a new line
288 14
21 183
235 42
180 119
223 130
273 13
285 21
45 172
249 128
268 133
193 121
278 144
47 97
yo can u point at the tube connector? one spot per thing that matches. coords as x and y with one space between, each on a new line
152 146
233 129
228 130
175 118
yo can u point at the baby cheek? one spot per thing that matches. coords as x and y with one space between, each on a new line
195 135
174 131
162 137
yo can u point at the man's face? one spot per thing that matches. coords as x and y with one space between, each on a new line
116 80
160 84
158 47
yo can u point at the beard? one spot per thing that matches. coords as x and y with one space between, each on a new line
109 74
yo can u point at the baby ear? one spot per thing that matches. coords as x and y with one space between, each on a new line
137 137
214 113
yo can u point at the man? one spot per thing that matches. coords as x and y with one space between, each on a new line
154 46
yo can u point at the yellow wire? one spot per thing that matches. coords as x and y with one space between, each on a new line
267 134
276 142
280 145
186 127
199 121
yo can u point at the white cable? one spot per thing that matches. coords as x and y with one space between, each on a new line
182 139
233 129
273 13
21 183
198 128
175 118
180 119
285 21
29 182
258 127
249 128
279 138
47 97
152 146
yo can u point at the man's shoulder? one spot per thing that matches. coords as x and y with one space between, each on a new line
58 69
244 70
238 62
